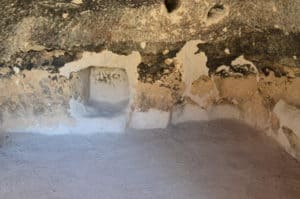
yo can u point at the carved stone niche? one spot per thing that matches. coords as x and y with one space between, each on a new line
105 91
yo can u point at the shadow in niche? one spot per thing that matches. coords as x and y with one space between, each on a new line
104 109
105 92
172 5
216 10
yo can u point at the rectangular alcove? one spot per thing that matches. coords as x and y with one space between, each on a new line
105 91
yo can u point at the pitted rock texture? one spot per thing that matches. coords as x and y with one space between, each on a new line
263 28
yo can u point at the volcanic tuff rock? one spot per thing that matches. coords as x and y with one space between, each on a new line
178 60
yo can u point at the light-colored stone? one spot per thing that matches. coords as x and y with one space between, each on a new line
78 2
193 65
224 111
289 116
16 70
240 89
168 61
108 85
227 51
291 92
166 51
143 45
65 15
204 92
152 119
153 96
188 113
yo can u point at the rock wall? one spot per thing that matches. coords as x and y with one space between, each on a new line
106 65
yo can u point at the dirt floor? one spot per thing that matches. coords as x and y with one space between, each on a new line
214 160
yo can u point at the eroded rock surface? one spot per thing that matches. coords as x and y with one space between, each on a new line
180 60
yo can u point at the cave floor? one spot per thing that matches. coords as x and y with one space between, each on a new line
213 160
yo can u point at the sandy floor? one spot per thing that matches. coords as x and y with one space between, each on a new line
216 160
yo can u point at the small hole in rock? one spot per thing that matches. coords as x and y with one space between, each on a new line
216 10
171 5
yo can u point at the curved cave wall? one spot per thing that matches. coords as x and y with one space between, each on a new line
86 66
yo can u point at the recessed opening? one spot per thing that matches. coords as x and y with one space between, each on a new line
216 11
105 91
172 5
